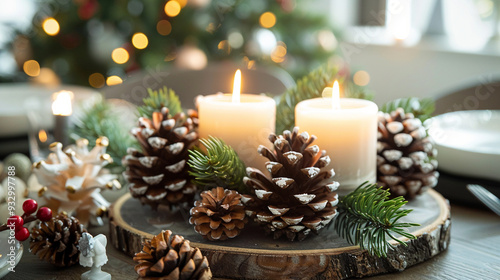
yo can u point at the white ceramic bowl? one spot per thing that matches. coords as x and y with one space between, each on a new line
468 143
14 97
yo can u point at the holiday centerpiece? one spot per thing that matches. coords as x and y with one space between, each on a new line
293 195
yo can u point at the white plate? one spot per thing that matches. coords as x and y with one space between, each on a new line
13 99
468 143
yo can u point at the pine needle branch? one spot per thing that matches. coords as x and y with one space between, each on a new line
311 86
421 108
219 167
99 120
158 99
367 217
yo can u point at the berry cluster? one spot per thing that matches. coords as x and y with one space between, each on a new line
30 206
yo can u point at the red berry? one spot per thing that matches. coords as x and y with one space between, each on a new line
30 206
44 214
17 220
22 234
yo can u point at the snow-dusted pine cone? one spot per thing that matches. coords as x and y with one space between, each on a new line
159 174
299 198
406 163
56 240
169 256
219 214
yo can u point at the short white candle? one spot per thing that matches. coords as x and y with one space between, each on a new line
62 110
347 129
243 121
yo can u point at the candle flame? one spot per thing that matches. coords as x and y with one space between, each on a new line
336 95
42 135
237 86
62 103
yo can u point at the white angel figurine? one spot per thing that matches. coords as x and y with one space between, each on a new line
93 254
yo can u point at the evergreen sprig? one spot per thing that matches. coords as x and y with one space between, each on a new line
421 108
100 120
311 86
219 167
367 217
158 99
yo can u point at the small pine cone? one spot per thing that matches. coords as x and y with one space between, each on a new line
406 163
56 240
219 214
159 174
299 198
168 256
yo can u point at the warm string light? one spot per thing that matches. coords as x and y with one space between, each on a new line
120 55
96 80
236 87
140 40
361 78
113 80
42 136
51 26
172 8
31 68
164 27
267 20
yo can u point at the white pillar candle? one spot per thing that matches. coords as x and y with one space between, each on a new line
347 129
243 121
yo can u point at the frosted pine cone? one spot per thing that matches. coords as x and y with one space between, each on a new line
299 198
406 163
159 174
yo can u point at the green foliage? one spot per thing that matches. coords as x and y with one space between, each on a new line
367 216
421 108
311 86
158 99
219 167
100 120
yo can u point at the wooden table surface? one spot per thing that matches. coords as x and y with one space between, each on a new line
474 253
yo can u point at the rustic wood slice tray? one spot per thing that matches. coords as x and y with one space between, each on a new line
253 255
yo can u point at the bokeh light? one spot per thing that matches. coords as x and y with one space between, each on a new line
164 27
183 3
140 40
51 26
96 80
120 55
172 8
361 78
31 68
224 46
267 20
113 80
279 53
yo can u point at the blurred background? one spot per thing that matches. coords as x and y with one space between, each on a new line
396 47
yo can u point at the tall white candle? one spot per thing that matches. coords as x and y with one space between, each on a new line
347 129
243 121
62 110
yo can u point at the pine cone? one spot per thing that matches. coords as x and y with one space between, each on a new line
300 198
159 174
405 161
168 256
219 215
56 240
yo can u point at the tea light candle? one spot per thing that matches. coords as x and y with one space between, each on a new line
243 121
347 129
62 110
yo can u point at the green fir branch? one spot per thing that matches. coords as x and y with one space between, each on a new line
367 217
100 120
158 99
311 86
421 108
219 167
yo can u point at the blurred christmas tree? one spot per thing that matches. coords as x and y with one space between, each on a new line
98 42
